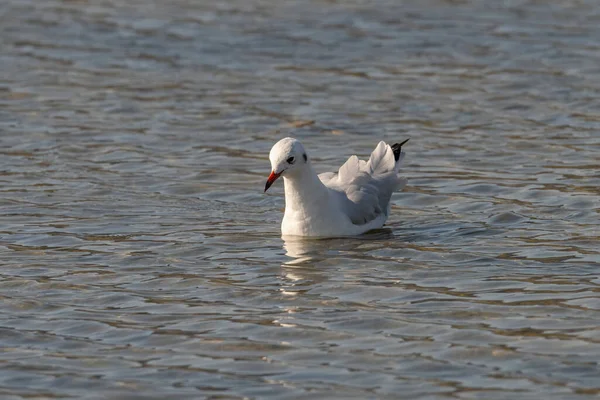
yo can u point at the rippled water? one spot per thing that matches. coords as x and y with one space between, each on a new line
140 258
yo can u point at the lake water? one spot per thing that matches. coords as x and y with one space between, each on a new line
141 259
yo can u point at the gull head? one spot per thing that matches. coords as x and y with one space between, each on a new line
287 156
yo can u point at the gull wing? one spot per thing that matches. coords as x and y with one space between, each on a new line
364 188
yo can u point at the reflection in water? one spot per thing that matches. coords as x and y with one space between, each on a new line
305 250
313 259
305 256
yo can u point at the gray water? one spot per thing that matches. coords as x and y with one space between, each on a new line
140 258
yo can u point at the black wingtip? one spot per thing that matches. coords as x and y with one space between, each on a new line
397 149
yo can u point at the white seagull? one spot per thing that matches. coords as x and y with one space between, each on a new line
352 201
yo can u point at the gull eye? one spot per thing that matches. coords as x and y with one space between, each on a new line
290 160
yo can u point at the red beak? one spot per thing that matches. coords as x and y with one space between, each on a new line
272 178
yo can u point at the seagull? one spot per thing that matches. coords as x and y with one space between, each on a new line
350 202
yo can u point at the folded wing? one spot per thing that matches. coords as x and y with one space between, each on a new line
364 188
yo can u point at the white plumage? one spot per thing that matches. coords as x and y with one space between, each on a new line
354 200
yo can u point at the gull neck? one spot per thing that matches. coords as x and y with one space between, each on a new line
303 189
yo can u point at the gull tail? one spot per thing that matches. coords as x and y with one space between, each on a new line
397 149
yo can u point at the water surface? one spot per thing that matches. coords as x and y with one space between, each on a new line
140 258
